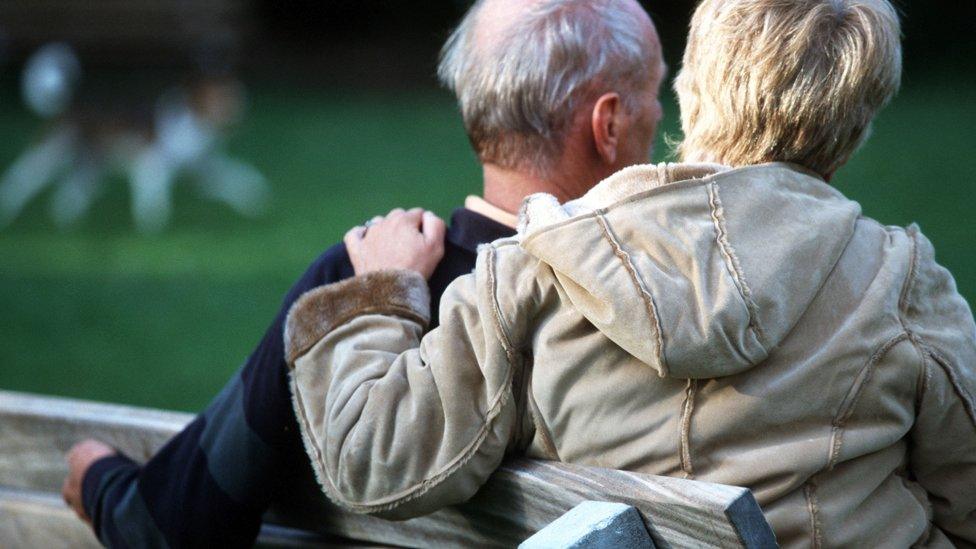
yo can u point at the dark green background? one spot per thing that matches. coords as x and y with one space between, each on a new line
104 313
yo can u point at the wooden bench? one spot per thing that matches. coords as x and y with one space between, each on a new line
520 499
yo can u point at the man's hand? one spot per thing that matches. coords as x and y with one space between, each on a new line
412 240
80 457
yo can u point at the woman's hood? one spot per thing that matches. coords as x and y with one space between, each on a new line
696 270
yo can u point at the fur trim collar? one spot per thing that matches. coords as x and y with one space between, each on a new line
542 209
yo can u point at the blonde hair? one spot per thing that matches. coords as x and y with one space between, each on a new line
519 94
786 80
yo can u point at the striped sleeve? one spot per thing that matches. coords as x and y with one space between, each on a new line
211 484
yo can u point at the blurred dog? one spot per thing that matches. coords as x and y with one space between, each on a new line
179 132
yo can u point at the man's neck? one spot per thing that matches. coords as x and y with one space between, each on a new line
506 188
484 208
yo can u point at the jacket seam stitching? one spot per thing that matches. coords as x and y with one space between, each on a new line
903 303
732 263
645 295
688 408
813 507
969 403
541 428
503 332
923 371
909 285
850 401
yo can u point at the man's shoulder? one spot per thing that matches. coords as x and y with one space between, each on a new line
467 232
330 266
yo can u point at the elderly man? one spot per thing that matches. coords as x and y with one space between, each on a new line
555 96
734 320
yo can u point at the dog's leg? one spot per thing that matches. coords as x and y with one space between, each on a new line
34 170
76 192
239 185
152 177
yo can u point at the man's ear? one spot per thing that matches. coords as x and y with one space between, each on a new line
606 126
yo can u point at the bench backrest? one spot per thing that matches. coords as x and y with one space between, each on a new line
522 497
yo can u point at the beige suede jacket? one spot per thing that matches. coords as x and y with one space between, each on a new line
745 327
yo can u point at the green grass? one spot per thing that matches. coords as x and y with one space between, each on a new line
102 313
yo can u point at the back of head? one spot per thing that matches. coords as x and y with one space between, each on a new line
521 69
786 80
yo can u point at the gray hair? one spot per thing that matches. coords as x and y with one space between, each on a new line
519 94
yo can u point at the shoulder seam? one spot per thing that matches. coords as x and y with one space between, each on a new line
642 290
733 265
909 284
813 508
847 406
968 401
503 333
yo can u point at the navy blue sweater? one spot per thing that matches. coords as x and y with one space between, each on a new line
210 485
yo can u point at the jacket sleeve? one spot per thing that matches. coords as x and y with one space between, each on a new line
395 425
943 458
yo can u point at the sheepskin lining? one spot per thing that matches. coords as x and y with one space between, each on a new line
317 312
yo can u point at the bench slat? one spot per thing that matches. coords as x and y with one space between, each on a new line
36 519
522 497
40 519
36 432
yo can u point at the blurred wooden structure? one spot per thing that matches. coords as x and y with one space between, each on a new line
521 498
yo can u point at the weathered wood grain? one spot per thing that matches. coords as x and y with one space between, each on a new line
524 496
594 525
521 498
36 519
36 431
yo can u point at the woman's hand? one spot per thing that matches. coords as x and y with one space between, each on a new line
412 240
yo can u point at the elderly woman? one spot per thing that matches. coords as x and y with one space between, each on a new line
734 319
